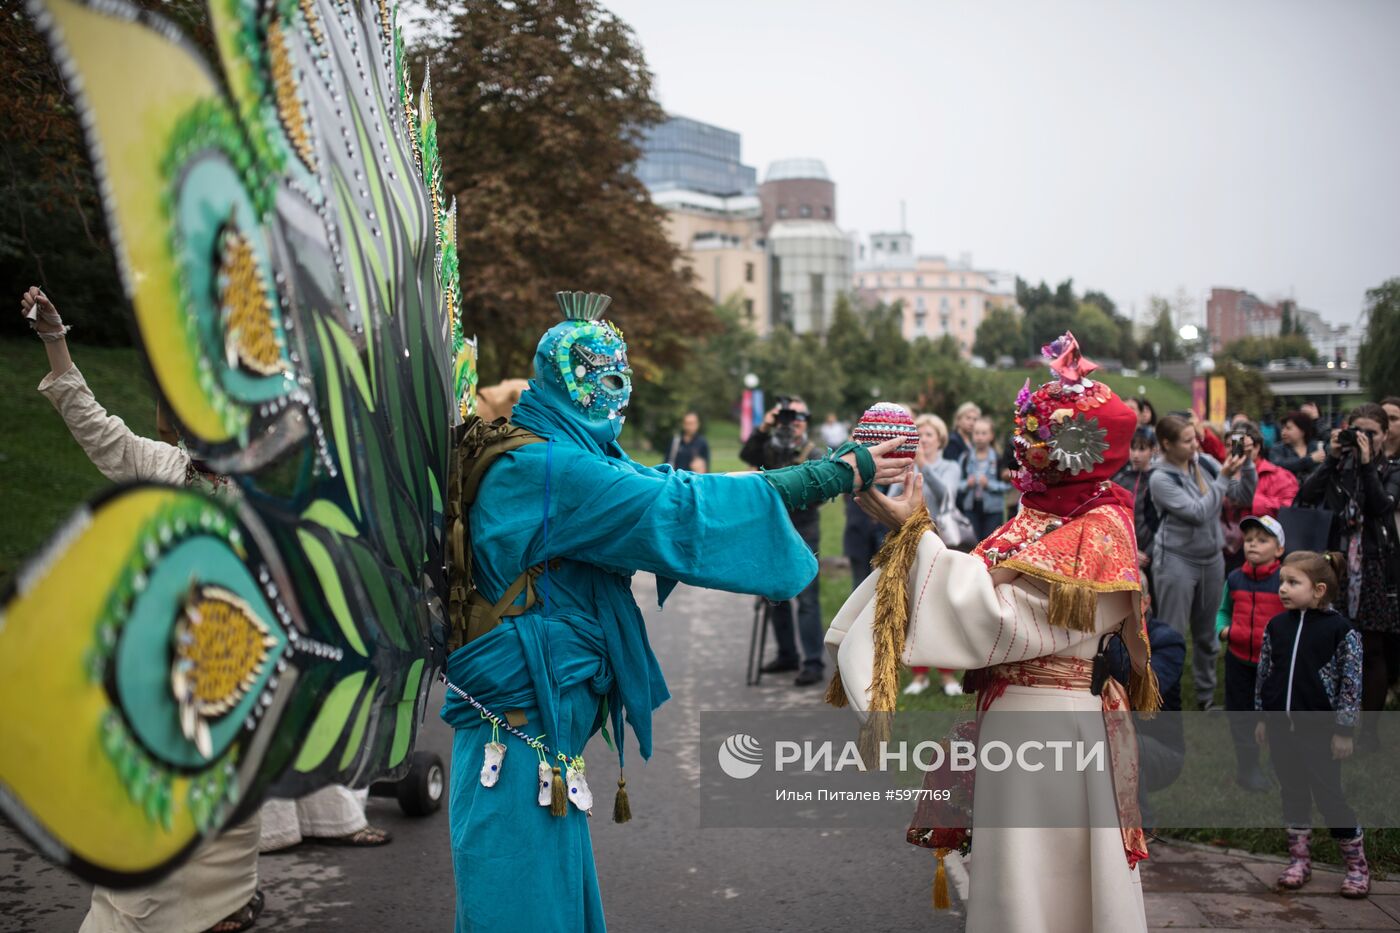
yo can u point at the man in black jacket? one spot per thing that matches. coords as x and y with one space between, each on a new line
1161 739
781 440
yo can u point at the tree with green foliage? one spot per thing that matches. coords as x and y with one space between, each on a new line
1380 351
999 334
1245 389
53 232
1258 351
1095 330
1095 320
540 108
710 381
1162 333
1104 303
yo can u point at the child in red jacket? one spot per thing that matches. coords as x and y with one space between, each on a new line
1251 600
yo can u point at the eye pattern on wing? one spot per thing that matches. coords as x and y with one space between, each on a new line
293 274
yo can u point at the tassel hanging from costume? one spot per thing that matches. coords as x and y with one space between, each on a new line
836 691
1073 607
940 882
558 796
1144 693
894 560
622 807
875 730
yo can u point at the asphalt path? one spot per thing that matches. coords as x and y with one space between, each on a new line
660 872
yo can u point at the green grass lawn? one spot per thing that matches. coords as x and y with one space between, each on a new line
43 473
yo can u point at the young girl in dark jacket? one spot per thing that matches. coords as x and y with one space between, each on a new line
1310 662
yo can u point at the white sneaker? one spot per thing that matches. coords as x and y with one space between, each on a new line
952 689
916 686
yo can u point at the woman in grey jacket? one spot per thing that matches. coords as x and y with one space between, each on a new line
1189 568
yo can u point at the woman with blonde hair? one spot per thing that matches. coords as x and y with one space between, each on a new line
960 441
941 481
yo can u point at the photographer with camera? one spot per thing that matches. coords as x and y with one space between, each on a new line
780 441
1276 488
1359 489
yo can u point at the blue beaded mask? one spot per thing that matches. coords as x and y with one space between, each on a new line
590 358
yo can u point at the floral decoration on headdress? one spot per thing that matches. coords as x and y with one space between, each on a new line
1055 437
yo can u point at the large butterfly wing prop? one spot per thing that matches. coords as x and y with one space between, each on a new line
171 655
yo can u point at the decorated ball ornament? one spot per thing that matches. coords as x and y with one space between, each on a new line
885 421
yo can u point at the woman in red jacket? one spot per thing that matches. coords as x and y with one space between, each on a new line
1276 488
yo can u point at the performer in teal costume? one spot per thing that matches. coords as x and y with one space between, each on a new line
580 656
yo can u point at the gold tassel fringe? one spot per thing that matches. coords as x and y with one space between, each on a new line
558 796
875 730
940 883
894 560
836 691
1144 693
1073 607
622 807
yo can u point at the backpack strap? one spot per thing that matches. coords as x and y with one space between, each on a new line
478 445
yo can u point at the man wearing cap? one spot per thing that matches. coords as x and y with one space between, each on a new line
1251 600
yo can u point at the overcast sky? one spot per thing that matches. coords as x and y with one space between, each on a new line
1140 147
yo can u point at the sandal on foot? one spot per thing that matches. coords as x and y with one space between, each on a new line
241 919
368 837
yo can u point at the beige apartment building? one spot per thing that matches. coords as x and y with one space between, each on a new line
940 297
721 239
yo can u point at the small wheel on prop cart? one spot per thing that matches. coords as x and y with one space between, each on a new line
420 792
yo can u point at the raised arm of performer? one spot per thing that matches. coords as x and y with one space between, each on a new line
118 452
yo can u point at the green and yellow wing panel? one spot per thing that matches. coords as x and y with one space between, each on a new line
175 653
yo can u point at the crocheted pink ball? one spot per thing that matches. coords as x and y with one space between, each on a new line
884 421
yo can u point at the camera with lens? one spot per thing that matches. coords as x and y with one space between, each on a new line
786 438
786 413
1346 438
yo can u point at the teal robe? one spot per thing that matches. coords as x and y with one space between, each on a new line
516 865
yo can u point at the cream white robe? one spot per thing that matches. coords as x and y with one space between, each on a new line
331 811
222 874
962 616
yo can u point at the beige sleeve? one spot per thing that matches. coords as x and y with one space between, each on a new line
962 618
113 448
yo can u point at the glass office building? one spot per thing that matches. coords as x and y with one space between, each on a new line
686 154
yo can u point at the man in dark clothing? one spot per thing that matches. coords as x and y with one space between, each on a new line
1161 741
781 440
689 449
861 540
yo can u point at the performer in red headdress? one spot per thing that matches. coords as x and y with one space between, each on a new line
1025 613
